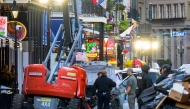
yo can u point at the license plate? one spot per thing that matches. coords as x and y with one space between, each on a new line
45 103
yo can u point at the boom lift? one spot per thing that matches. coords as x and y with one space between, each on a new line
65 86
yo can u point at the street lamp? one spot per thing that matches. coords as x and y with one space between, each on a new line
181 51
106 40
146 45
14 10
138 45
154 45
14 13
46 1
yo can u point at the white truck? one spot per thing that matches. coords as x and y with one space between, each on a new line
186 67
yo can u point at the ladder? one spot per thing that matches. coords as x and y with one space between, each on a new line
65 60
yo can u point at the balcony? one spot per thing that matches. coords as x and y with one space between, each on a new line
89 9
85 8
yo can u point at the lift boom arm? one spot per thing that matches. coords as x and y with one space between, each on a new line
68 41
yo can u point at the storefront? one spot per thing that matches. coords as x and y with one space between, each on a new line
109 46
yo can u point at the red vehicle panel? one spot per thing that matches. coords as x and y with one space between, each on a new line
66 86
81 82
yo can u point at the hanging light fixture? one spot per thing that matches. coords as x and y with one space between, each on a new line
14 10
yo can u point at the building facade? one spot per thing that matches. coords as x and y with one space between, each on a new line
168 17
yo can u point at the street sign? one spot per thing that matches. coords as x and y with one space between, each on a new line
179 33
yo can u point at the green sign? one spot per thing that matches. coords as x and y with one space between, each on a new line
91 47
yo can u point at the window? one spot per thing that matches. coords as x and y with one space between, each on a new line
168 11
182 10
175 10
161 11
154 11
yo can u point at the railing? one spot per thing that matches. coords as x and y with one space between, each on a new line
89 8
85 7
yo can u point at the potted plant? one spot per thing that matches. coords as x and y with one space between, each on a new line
121 7
110 5
107 27
124 24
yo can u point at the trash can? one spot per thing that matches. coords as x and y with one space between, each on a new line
6 96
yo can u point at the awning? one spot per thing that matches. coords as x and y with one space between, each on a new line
9 38
128 31
92 19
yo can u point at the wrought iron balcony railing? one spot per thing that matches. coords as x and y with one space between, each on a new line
85 8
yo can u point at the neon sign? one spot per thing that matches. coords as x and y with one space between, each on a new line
91 47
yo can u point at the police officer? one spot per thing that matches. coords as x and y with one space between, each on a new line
99 74
104 85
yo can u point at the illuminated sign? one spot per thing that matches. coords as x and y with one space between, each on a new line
91 47
20 30
3 26
92 55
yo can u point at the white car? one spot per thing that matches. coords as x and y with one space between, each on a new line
116 102
121 81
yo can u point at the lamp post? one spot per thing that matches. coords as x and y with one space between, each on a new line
14 13
106 40
146 45
181 51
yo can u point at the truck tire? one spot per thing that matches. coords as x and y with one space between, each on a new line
114 105
74 103
17 102
85 105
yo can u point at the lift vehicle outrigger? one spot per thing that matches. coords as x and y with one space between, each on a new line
65 86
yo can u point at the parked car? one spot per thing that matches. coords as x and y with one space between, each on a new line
121 81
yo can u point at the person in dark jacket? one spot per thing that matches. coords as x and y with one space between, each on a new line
99 74
146 81
104 85
167 70
5 76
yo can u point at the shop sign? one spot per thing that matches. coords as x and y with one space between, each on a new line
92 55
20 30
81 56
3 26
110 46
91 47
